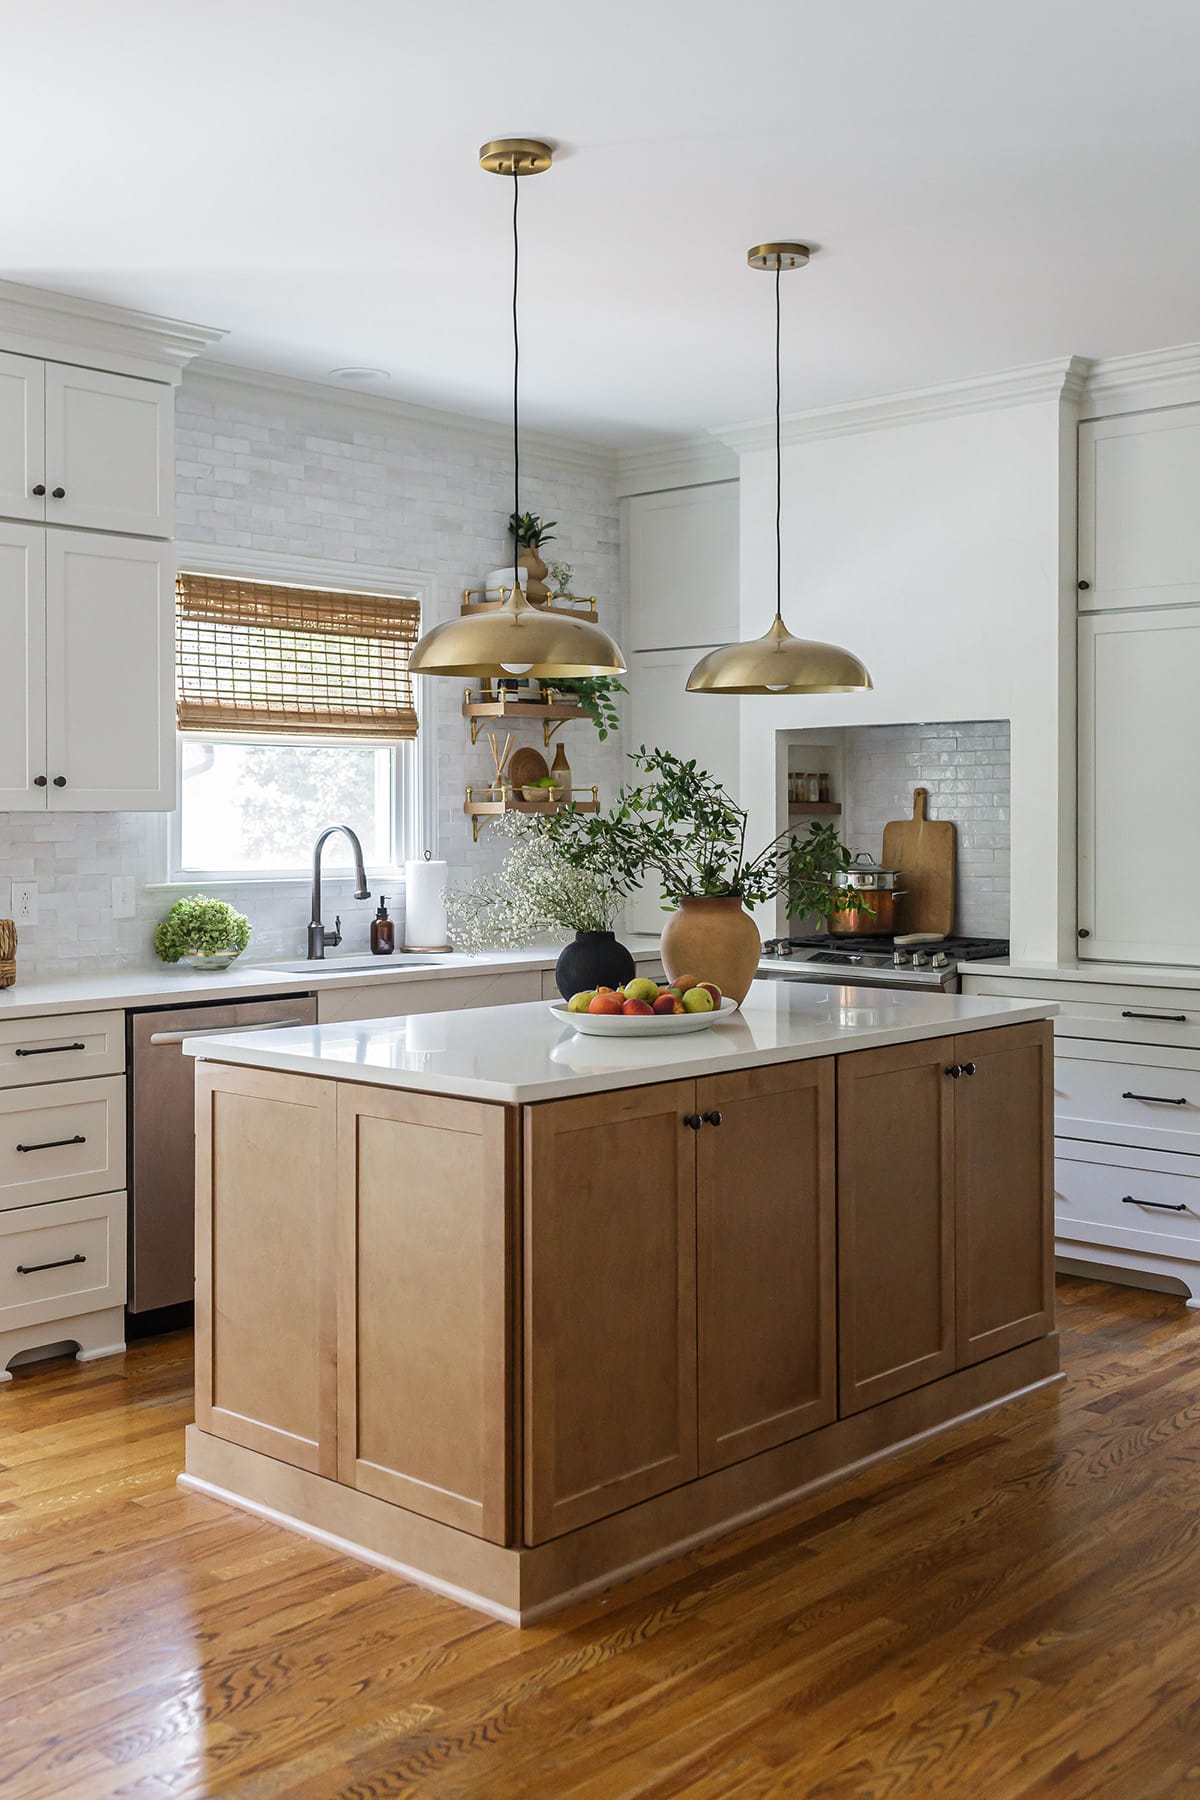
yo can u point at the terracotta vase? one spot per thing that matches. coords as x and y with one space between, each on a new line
535 588
715 939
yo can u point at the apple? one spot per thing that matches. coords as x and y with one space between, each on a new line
581 1001
668 1003
683 982
605 1002
710 987
639 1009
642 988
697 1000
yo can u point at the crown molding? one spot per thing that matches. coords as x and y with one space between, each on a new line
685 462
1061 380
63 328
230 384
1142 382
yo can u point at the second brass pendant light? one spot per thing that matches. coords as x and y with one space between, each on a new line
517 638
777 662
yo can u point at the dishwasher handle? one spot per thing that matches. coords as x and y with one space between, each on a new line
177 1037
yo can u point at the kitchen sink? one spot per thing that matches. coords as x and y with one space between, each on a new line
335 964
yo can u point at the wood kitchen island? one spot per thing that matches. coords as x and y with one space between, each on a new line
515 1312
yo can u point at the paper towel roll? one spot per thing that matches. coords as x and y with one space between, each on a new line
424 906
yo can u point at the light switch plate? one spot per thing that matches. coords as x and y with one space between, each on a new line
24 902
124 899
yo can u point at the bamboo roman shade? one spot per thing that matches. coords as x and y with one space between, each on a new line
293 662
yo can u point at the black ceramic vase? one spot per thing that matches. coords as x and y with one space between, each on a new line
592 959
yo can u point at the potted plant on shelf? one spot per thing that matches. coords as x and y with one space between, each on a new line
682 824
201 933
538 888
531 533
595 694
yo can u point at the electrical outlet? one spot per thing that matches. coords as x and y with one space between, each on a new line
24 902
124 903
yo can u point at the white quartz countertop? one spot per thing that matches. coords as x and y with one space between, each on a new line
164 985
1104 973
518 1054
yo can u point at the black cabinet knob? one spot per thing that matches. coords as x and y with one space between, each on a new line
58 493
693 1121
1083 932
60 781
39 781
1084 586
954 1071
968 1068
711 1118
40 489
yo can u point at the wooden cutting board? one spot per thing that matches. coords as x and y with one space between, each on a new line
923 850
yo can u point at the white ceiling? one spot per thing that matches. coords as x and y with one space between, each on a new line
990 184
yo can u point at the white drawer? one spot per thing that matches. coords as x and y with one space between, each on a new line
61 1259
64 1139
1146 1201
1153 1102
398 999
61 1048
1167 1017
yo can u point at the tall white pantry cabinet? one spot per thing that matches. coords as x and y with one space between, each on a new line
87 563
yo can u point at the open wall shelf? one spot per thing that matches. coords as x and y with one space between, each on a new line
551 712
479 809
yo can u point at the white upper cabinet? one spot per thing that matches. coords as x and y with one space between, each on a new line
109 452
22 438
110 727
1139 510
682 549
1139 751
22 668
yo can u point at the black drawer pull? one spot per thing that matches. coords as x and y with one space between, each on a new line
48 1049
36 1268
54 1144
1158 1205
693 1121
1158 1018
712 1118
1154 1099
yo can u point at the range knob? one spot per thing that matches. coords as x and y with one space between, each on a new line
939 960
900 958
920 960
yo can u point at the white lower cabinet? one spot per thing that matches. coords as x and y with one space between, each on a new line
61 1260
1127 1124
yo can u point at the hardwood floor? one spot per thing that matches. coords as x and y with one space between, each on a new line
1012 1609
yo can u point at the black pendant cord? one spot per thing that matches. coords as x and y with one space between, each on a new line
778 454
516 386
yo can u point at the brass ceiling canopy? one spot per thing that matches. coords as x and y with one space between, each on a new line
777 662
517 638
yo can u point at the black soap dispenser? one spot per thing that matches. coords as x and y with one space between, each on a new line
383 931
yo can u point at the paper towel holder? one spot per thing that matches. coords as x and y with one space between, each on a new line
422 949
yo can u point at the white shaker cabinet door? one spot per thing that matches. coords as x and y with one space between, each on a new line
109 452
22 437
22 668
110 673
1139 757
1139 509
684 580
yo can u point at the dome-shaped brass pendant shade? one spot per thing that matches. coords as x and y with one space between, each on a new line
517 639
778 663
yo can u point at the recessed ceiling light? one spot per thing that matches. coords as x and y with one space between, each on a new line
355 377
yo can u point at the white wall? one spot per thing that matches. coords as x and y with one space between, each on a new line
935 549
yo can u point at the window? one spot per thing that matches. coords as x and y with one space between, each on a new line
296 711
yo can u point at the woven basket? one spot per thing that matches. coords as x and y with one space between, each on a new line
8 953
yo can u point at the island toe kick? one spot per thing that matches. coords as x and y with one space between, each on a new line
516 1352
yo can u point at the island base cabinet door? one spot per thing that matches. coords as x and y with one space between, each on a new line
424 1313
895 1221
765 1259
610 1303
1004 1180
265 1275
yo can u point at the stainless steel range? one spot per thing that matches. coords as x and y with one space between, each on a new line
920 961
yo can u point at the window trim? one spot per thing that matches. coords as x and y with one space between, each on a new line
414 764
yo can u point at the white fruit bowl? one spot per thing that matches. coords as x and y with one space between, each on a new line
631 1025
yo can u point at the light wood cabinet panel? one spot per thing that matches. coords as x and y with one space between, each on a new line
765 1259
110 449
22 667
895 1221
609 1297
110 673
424 1359
1003 1155
22 437
1139 525
266 1367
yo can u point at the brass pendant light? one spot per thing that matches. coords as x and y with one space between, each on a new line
516 638
777 662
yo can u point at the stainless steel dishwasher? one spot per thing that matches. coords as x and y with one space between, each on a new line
162 1136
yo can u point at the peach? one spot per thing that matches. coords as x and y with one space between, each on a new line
637 1009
